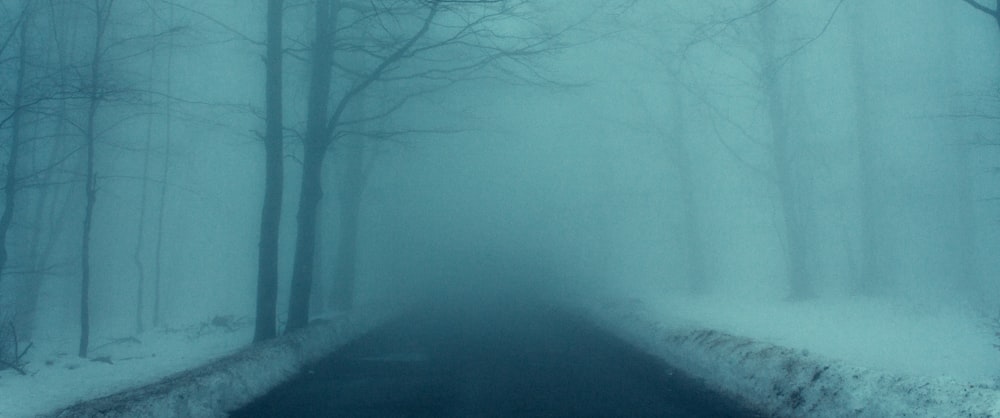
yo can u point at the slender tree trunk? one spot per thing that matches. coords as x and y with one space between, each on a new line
140 268
320 127
871 279
91 198
158 245
13 153
267 268
164 175
317 141
140 238
305 244
102 11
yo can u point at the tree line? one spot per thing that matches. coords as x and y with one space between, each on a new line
87 83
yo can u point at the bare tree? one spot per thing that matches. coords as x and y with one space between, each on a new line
315 144
766 57
416 47
164 175
45 185
267 270
10 185
94 88
783 153
101 85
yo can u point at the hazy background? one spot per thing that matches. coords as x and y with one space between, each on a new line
651 167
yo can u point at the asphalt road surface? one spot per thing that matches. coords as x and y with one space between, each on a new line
463 363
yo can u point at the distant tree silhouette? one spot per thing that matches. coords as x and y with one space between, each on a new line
14 117
429 45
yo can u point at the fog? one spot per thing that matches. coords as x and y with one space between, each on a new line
776 152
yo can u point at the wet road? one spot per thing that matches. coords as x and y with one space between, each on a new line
538 362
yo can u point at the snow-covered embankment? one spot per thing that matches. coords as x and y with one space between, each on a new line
229 382
788 382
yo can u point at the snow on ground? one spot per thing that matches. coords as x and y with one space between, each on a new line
836 357
849 357
196 371
57 377
875 333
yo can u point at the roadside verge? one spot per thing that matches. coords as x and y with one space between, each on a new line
231 381
787 382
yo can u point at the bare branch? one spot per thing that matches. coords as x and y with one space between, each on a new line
787 56
982 8
217 22
377 72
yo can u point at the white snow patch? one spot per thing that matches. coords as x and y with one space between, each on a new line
58 378
882 334
189 372
861 357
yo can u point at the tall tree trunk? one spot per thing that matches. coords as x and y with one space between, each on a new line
305 243
13 154
164 175
870 277
267 267
91 198
140 268
317 141
320 127
102 11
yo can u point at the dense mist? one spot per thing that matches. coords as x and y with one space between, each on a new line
492 153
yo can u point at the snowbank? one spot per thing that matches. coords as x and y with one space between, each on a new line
791 382
791 366
229 382
58 378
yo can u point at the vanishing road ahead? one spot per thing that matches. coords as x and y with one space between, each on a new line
535 362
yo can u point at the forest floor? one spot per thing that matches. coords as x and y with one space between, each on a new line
58 378
898 338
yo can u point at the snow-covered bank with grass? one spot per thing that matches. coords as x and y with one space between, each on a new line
203 370
815 360
825 358
56 377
